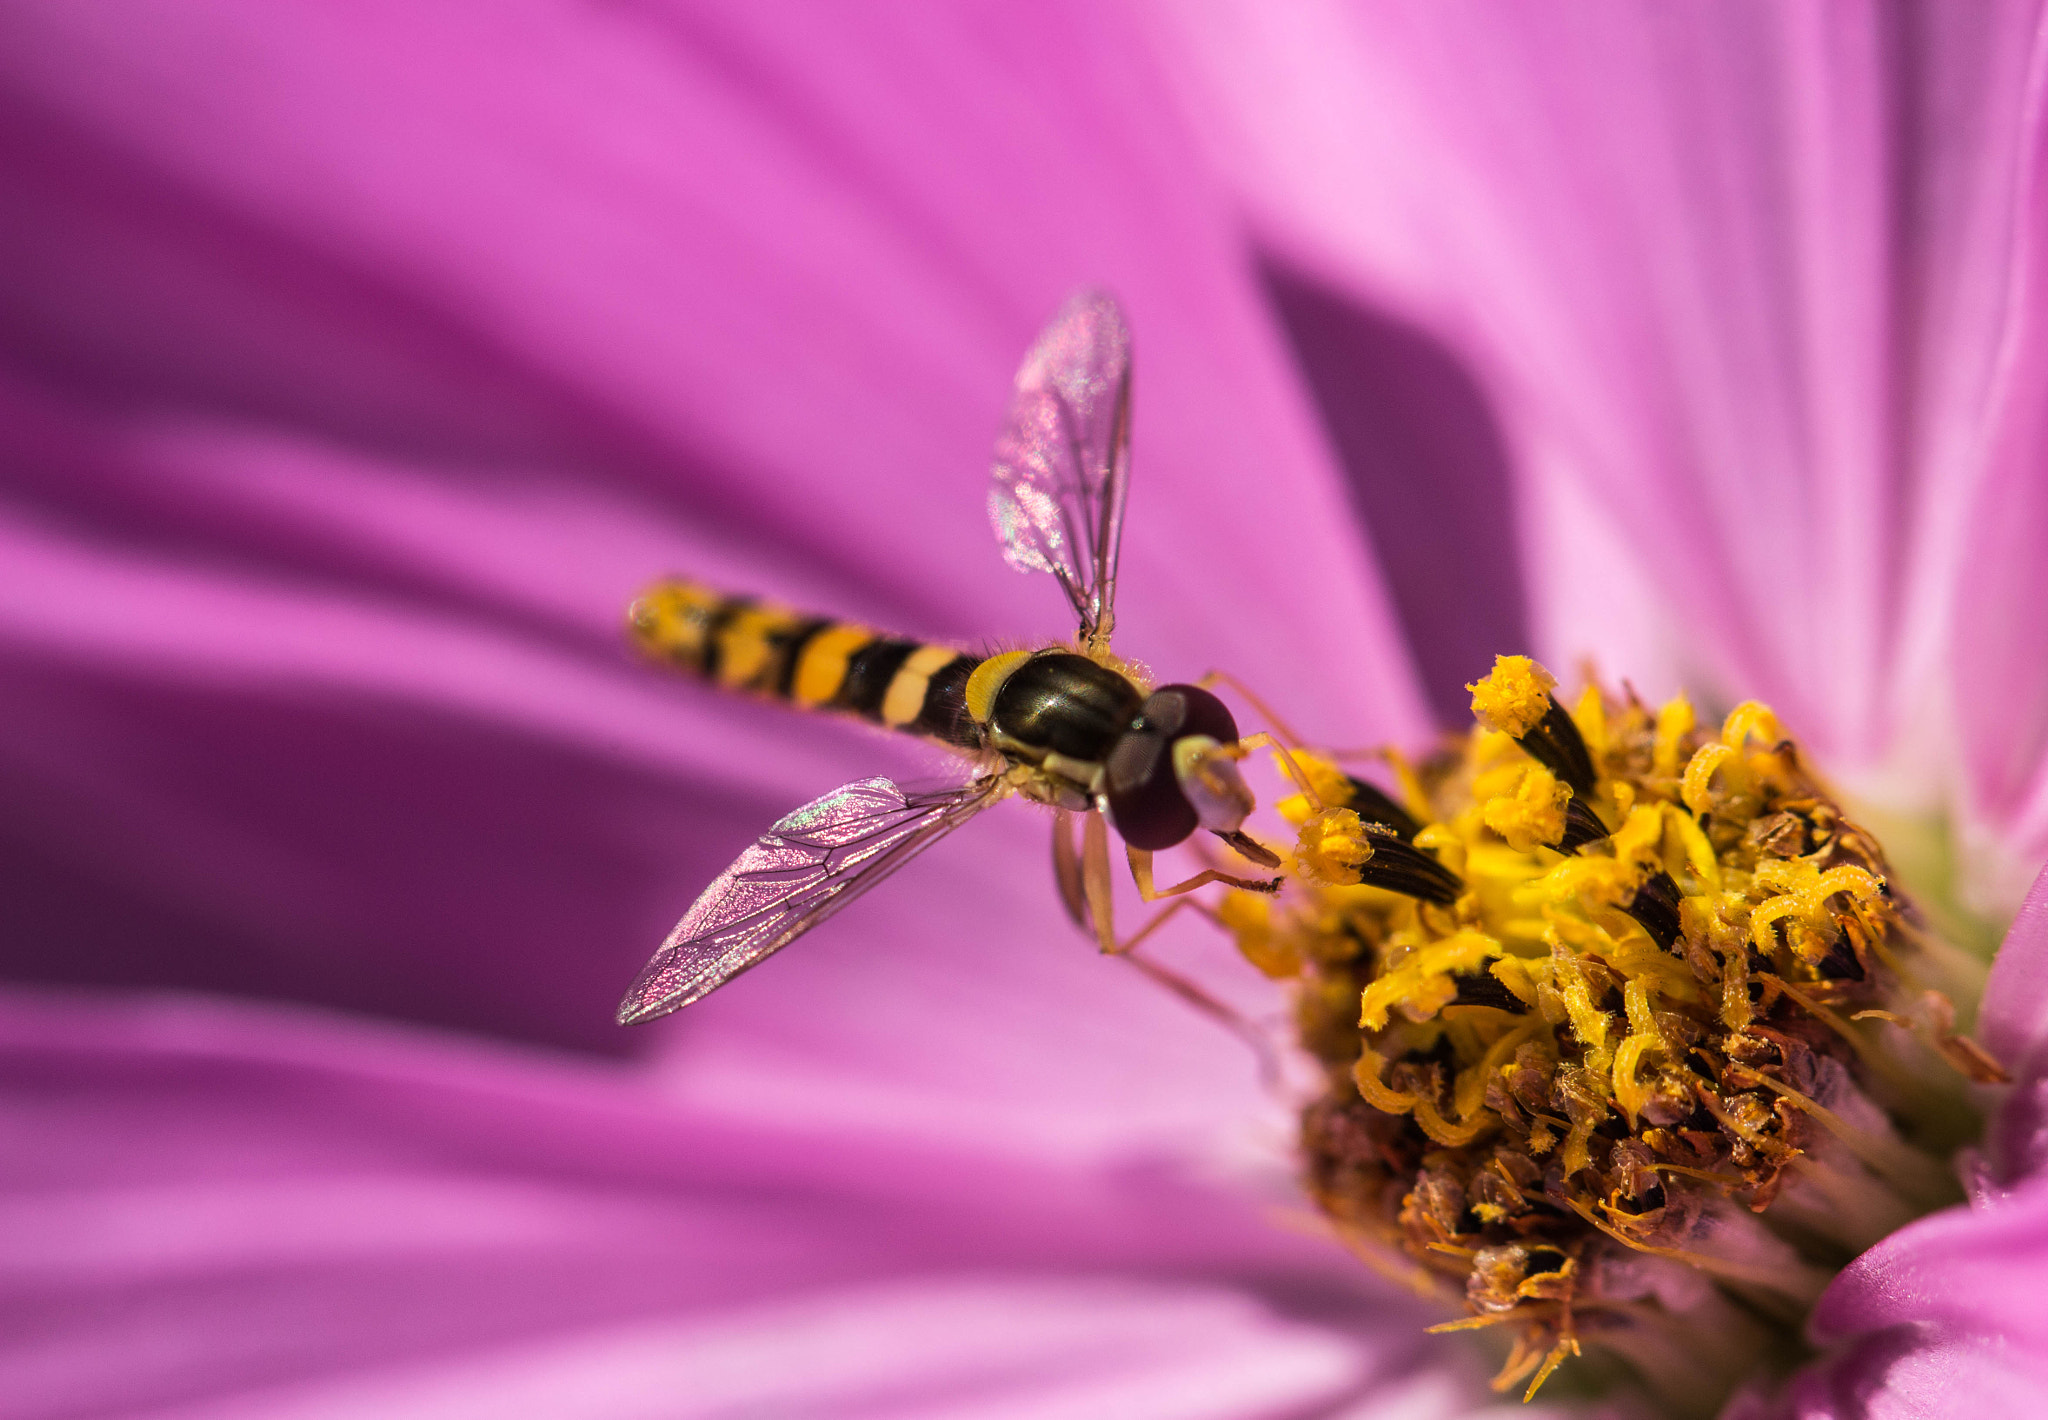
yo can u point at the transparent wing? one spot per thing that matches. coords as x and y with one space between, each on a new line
807 867
1063 460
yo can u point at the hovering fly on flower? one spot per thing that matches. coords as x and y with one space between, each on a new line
1070 725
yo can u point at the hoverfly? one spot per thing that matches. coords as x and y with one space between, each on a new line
1068 725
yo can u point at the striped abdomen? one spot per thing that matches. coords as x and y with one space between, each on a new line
812 661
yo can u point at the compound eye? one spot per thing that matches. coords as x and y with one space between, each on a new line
1145 800
1177 710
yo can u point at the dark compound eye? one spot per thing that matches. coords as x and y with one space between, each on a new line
1145 799
1177 710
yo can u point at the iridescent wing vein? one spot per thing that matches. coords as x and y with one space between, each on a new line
808 866
1063 459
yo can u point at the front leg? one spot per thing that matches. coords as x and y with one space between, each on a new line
1141 874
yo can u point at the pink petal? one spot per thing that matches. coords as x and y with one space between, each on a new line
358 369
1998 648
226 1211
2013 1025
1736 277
1941 1319
1429 474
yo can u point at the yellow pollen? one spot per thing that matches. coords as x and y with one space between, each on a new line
1674 723
1637 1045
1514 698
1249 918
1421 986
1533 816
1334 846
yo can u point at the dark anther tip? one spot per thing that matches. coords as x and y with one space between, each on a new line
1581 826
1375 805
1403 868
1655 908
1556 744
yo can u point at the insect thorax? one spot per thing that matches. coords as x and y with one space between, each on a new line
1063 713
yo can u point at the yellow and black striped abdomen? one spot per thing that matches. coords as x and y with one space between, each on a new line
816 662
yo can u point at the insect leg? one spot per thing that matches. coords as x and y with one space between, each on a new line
1285 732
1095 881
1263 740
1066 868
1141 874
1226 678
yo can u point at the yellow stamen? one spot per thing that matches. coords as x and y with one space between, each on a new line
1532 816
1598 1015
1334 846
1514 698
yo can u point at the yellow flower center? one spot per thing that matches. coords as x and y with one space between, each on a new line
1604 996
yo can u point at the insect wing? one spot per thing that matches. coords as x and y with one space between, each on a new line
808 866
1063 459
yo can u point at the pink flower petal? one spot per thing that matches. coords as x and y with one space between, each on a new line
1736 276
2013 1025
1941 1319
226 1211
358 369
1998 638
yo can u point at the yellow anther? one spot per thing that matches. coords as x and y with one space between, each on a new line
1443 1131
1583 883
1698 789
1375 1091
1674 723
1587 1020
1421 985
1532 816
1629 1092
1747 719
1801 898
1333 847
1517 974
1249 918
1514 697
1693 847
1624 795
1590 715
1639 839
1636 1000
1450 849
1576 1155
1470 1090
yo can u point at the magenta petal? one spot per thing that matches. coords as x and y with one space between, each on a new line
1941 1319
2013 1025
1735 276
225 1212
356 369
1998 638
